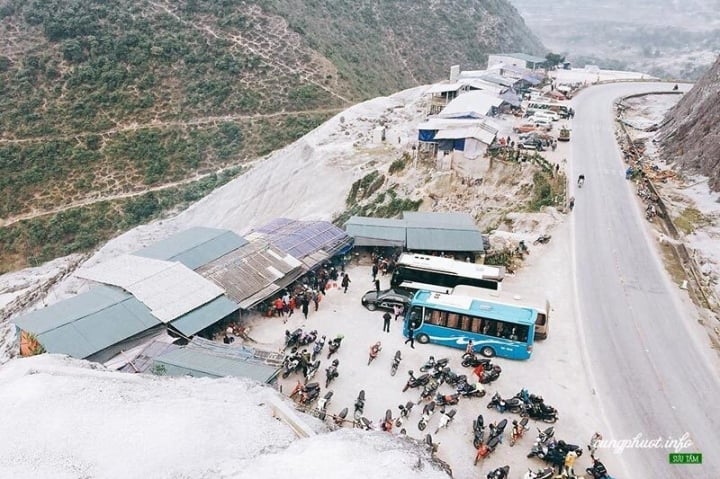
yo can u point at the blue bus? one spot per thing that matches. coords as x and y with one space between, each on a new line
496 329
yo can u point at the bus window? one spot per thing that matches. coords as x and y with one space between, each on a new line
438 318
465 322
453 319
415 316
476 325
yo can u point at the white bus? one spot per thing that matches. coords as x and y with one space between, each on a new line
562 110
542 306
414 272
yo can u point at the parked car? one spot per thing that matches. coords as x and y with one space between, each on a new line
387 299
531 145
524 128
540 122
547 114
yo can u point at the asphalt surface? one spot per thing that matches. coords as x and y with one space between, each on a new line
651 363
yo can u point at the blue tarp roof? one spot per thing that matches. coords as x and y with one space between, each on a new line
198 363
88 323
194 247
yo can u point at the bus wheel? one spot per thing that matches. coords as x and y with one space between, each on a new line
423 338
487 351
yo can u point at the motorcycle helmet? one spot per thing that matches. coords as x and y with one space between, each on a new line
378 344
497 369
411 372
335 362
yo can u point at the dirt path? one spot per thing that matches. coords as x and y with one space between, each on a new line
117 196
167 124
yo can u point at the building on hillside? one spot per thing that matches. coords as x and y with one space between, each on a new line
447 233
517 59
443 93
94 325
476 102
444 140
203 358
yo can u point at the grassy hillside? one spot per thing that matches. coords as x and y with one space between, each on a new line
105 101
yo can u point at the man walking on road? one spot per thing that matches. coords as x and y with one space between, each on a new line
345 282
377 286
386 322
411 337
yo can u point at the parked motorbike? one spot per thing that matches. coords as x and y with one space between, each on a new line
499 473
308 338
554 452
395 363
414 382
447 399
546 473
331 372
445 419
449 377
492 375
387 423
432 364
475 390
291 364
318 347
497 429
428 411
598 470
472 361
478 431
540 411
309 393
365 423
429 389
339 419
518 430
334 345
484 450
311 370
542 239
359 405
404 412
544 437
323 403
432 446
514 404
291 339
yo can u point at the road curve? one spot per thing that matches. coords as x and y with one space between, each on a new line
652 365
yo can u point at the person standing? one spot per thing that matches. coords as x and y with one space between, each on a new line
345 282
377 286
305 307
374 270
386 322
411 337
398 310
316 299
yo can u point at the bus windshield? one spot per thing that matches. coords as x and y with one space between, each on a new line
541 306
415 272
496 329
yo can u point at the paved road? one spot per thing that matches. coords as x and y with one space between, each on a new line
652 366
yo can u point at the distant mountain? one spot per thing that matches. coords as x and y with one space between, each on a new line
690 136
666 38
113 112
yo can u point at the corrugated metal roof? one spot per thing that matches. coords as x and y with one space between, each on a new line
439 219
194 247
169 289
444 239
479 134
524 57
90 322
204 316
197 363
376 231
250 269
473 101
444 87
443 123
